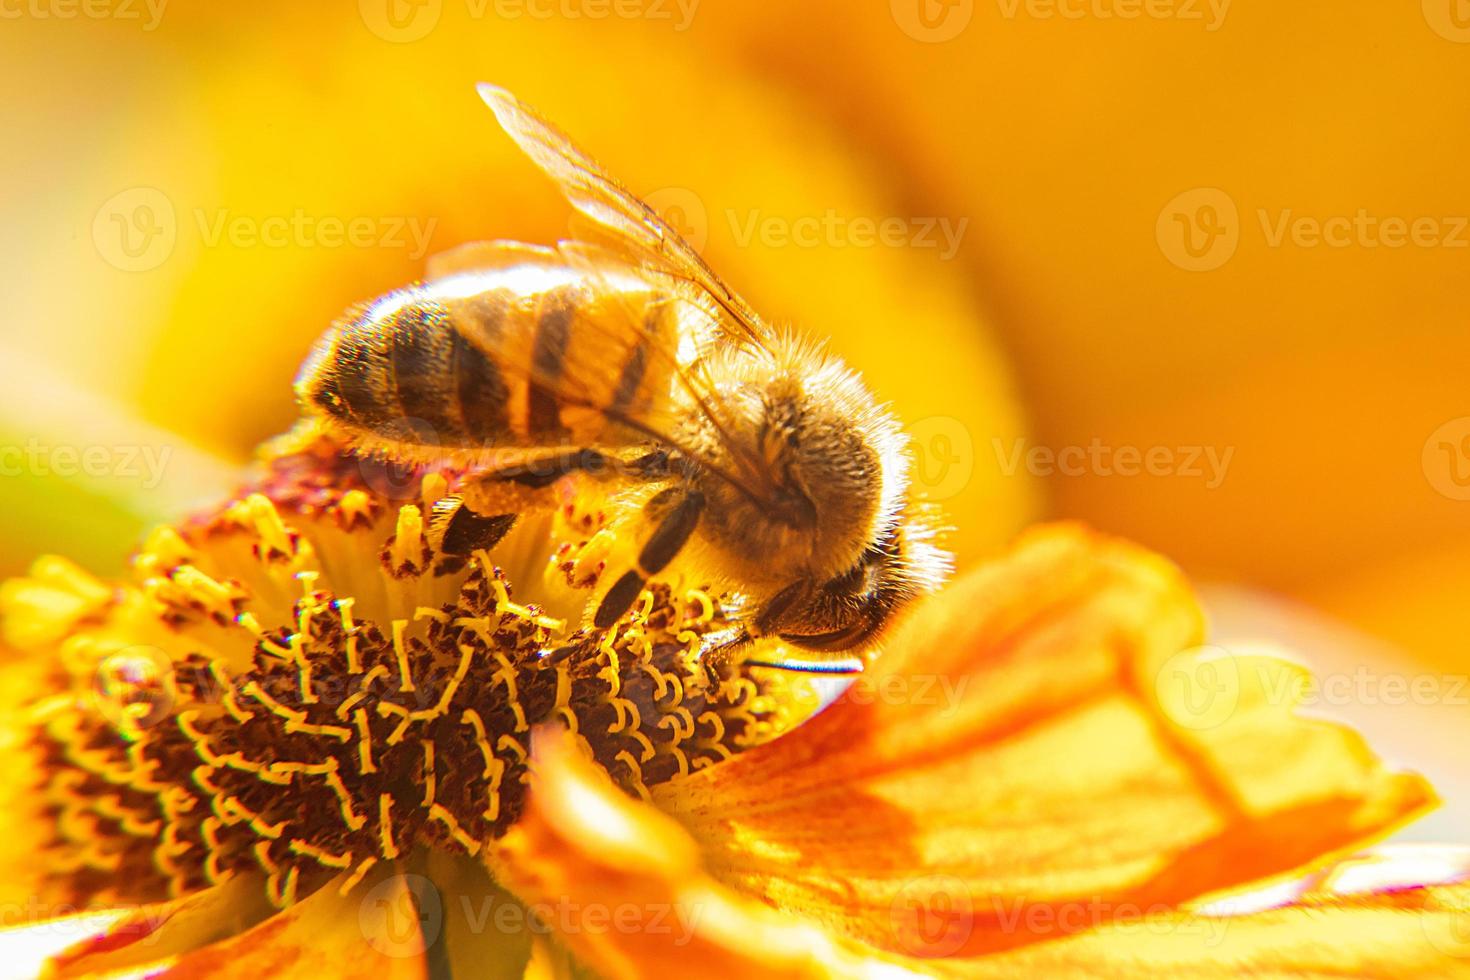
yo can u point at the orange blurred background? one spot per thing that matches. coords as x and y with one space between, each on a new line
1222 244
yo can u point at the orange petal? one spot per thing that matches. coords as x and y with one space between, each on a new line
622 887
374 931
1371 917
23 829
104 940
1044 733
485 933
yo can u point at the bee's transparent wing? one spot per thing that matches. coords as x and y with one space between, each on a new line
699 327
624 222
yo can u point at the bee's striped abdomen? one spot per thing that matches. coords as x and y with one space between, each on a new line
349 378
492 358
630 376
478 387
410 374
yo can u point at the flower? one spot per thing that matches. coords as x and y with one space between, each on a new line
301 740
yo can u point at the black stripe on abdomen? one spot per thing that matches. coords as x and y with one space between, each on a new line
634 368
548 354
484 399
362 377
420 352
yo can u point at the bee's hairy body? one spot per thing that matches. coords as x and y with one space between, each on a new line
747 452
433 373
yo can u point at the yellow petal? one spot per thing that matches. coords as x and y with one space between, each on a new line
374 931
1044 733
106 940
33 937
23 830
622 887
486 933
1372 917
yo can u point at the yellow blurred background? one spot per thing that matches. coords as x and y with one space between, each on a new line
1193 270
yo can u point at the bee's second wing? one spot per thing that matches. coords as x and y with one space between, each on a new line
626 224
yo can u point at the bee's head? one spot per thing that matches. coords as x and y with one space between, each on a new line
826 466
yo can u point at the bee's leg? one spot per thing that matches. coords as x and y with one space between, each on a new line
681 510
540 472
721 659
464 531
486 509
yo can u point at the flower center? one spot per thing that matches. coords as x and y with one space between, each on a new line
300 684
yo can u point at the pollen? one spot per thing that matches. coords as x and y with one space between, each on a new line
298 685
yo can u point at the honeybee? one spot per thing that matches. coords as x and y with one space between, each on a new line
619 356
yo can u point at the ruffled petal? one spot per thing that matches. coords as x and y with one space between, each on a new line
486 932
108 940
621 886
1046 732
23 829
375 930
1403 913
